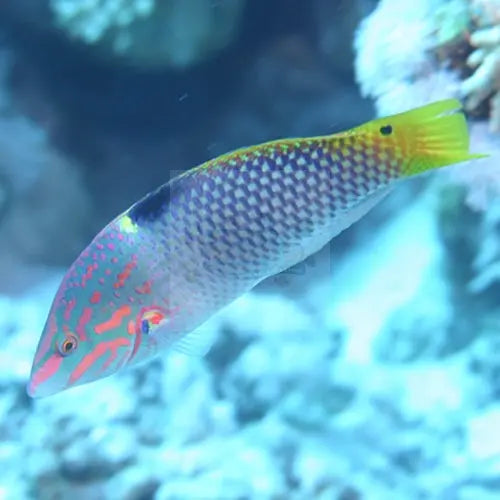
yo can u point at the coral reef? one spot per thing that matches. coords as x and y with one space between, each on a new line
175 33
438 33
293 400
484 83
392 62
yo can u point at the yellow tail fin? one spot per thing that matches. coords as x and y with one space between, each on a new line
436 135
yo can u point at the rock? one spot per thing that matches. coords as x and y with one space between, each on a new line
248 472
483 438
151 425
253 384
100 454
187 393
484 362
189 419
107 404
316 468
12 482
259 315
267 371
148 382
475 492
206 487
322 400
419 328
133 483
268 367
222 417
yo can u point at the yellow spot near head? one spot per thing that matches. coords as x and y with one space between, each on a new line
126 225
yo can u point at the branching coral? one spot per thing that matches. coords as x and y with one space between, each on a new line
393 62
485 81
175 33
398 63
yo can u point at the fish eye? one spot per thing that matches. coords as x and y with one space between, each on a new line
386 130
68 345
150 319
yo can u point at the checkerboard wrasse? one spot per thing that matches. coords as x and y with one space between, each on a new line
159 270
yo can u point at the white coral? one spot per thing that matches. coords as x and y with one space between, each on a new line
151 32
91 20
485 80
393 62
387 51
395 46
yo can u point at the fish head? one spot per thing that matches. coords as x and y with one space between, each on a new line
102 316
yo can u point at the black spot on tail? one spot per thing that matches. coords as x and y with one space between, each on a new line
386 130
153 205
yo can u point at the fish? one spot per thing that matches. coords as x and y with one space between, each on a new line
158 271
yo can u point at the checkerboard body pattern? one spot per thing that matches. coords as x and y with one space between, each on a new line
230 223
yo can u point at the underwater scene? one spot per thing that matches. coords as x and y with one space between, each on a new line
313 312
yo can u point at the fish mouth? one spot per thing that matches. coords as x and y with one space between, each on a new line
45 379
31 390
41 390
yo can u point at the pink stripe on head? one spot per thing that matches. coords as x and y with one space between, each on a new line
82 322
100 349
115 320
48 335
47 370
